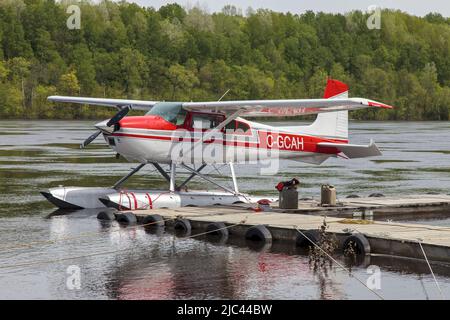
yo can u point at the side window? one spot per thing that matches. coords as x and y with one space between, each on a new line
243 127
201 122
230 127
206 121
237 127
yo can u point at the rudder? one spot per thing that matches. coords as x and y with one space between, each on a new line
333 125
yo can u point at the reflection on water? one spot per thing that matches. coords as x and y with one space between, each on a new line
129 263
132 263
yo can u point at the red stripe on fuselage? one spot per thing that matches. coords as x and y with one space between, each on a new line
267 140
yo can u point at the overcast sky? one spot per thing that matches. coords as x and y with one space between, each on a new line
416 7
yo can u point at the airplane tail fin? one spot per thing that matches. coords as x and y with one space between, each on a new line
332 125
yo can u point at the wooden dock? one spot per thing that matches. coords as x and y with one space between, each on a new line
385 238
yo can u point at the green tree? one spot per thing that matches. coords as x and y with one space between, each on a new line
42 109
69 84
84 67
182 81
125 50
19 71
172 10
133 70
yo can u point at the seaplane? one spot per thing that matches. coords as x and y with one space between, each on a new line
193 135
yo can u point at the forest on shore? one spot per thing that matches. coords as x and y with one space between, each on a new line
123 50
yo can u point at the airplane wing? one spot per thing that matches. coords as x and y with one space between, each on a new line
284 108
253 108
353 151
135 104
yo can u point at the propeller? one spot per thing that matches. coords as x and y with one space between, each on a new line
118 116
111 122
90 139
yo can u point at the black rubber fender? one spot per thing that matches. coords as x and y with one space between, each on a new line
183 224
360 244
217 229
126 218
153 220
107 214
258 233
302 242
376 195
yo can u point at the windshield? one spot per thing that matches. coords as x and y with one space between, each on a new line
170 111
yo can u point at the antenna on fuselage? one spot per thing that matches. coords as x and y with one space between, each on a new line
223 95
222 98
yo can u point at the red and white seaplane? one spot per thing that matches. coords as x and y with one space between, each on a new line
193 135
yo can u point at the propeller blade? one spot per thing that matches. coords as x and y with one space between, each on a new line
90 139
118 116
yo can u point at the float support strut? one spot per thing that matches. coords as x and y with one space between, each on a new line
161 171
233 175
185 182
206 178
121 181
173 169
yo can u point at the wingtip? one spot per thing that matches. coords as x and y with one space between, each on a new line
379 105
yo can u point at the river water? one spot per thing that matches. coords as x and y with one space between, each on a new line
41 251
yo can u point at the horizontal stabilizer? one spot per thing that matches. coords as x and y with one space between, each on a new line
353 151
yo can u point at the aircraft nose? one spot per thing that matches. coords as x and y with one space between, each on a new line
103 126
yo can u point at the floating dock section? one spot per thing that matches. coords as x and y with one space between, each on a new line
383 237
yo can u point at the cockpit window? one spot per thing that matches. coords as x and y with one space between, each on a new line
171 112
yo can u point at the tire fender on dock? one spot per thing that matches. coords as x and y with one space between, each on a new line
107 214
358 242
153 220
302 241
217 229
258 233
183 225
126 218
376 195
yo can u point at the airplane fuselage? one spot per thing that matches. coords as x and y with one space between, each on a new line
152 139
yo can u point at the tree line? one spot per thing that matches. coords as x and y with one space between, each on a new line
123 50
